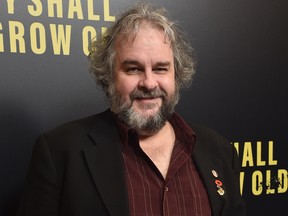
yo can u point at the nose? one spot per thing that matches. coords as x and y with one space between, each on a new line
148 80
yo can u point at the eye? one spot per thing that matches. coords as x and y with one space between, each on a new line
133 70
160 69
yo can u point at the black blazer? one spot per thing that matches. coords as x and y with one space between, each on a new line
77 170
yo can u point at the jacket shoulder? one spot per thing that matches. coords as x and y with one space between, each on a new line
209 136
79 126
76 134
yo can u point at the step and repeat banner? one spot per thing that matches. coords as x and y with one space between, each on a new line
240 88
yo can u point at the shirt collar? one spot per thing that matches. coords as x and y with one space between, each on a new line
183 131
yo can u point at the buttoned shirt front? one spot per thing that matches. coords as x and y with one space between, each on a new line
182 192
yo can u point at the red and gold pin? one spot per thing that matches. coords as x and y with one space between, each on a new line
218 183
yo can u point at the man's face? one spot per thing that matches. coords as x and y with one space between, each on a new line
143 94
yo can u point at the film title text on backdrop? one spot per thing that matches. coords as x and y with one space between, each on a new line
17 36
266 177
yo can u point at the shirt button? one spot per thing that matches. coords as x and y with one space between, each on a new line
166 189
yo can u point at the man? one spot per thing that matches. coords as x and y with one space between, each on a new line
138 157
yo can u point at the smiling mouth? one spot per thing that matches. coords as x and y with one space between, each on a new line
146 98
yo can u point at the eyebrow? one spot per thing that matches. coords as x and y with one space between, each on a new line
130 62
163 64
135 62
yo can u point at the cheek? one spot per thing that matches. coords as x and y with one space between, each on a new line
125 86
168 85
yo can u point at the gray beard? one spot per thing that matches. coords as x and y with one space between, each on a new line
144 125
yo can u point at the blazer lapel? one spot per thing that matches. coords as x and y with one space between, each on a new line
206 163
105 163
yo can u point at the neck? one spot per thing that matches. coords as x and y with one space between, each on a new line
159 147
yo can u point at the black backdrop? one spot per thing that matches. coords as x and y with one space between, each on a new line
240 88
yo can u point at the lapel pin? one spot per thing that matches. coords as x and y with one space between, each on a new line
214 173
218 183
220 190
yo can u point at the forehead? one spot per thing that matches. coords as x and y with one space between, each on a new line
147 42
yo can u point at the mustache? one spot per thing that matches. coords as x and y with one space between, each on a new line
139 93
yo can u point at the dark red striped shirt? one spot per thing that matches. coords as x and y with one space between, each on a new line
180 193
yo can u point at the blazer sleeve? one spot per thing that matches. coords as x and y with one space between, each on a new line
41 193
